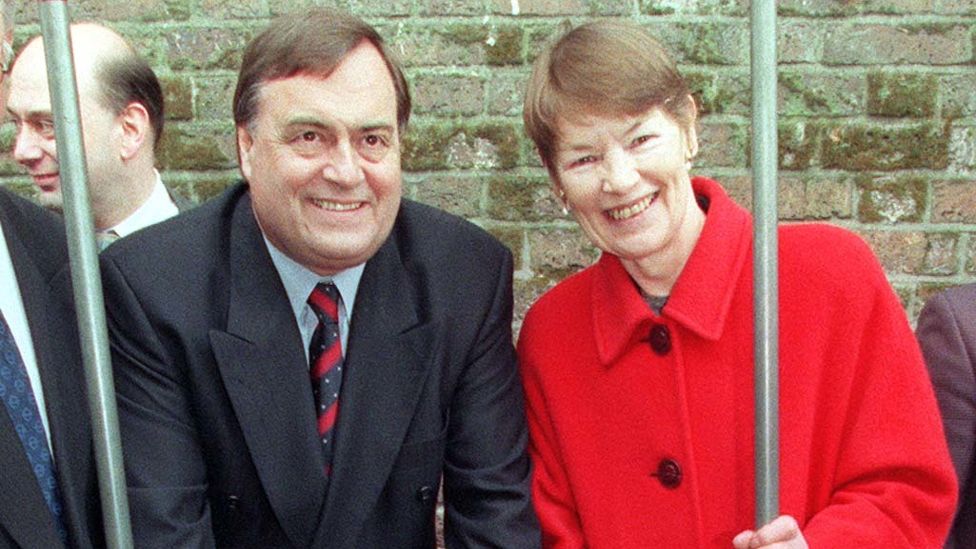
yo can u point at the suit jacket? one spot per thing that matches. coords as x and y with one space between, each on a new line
216 408
36 242
947 333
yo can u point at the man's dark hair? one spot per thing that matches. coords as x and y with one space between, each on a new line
312 42
127 78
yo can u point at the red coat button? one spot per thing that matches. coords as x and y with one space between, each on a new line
668 474
660 339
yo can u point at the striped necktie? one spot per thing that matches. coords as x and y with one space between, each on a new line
325 365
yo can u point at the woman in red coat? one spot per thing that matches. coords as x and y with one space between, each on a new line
638 371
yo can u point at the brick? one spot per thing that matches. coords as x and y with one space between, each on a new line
201 189
722 144
954 201
808 93
940 254
214 96
891 200
235 9
440 8
556 253
958 99
874 147
698 7
362 8
902 95
809 199
797 140
513 239
707 42
185 147
962 148
971 254
542 35
112 10
799 41
522 198
720 92
549 7
459 194
455 145
955 7
505 92
799 198
526 291
195 48
846 7
448 94
177 97
872 44
459 44
900 252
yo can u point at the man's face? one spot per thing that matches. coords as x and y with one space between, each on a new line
29 106
322 157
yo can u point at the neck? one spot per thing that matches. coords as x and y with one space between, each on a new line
121 199
657 273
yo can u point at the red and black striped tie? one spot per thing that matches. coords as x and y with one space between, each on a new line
325 359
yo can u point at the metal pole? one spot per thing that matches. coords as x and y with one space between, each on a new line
764 158
85 276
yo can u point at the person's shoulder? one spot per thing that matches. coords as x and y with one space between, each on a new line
432 232
24 211
826 250
191 232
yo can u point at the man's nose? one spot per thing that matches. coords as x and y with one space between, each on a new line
27 145
343 167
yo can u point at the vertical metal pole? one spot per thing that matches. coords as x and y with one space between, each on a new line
764 159
85 276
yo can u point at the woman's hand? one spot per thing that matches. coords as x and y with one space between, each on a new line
781 533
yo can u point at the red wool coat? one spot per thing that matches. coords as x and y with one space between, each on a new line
642 425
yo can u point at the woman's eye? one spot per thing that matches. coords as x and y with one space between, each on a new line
641 139
583 160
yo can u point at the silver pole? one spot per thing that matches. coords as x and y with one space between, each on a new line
764 158
85 276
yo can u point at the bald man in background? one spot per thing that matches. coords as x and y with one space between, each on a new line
122 120
48 485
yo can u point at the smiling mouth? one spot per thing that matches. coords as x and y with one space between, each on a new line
626 212
336 206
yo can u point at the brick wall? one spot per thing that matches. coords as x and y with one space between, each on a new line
877 113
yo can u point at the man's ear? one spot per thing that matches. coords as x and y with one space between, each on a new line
244 143
136 129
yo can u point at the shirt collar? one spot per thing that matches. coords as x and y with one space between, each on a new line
299 281
158 207
701 297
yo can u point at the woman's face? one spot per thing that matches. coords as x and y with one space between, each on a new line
626 180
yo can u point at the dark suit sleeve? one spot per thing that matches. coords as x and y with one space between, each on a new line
947 337
486 474
164 463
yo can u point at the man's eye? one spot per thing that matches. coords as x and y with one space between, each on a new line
309 137
45 127
374 140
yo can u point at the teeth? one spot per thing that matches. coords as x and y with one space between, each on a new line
631 211
335 206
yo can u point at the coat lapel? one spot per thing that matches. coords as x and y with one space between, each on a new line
22 508
386 365
263 367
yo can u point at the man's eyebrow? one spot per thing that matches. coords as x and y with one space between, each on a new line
307 120
30 115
